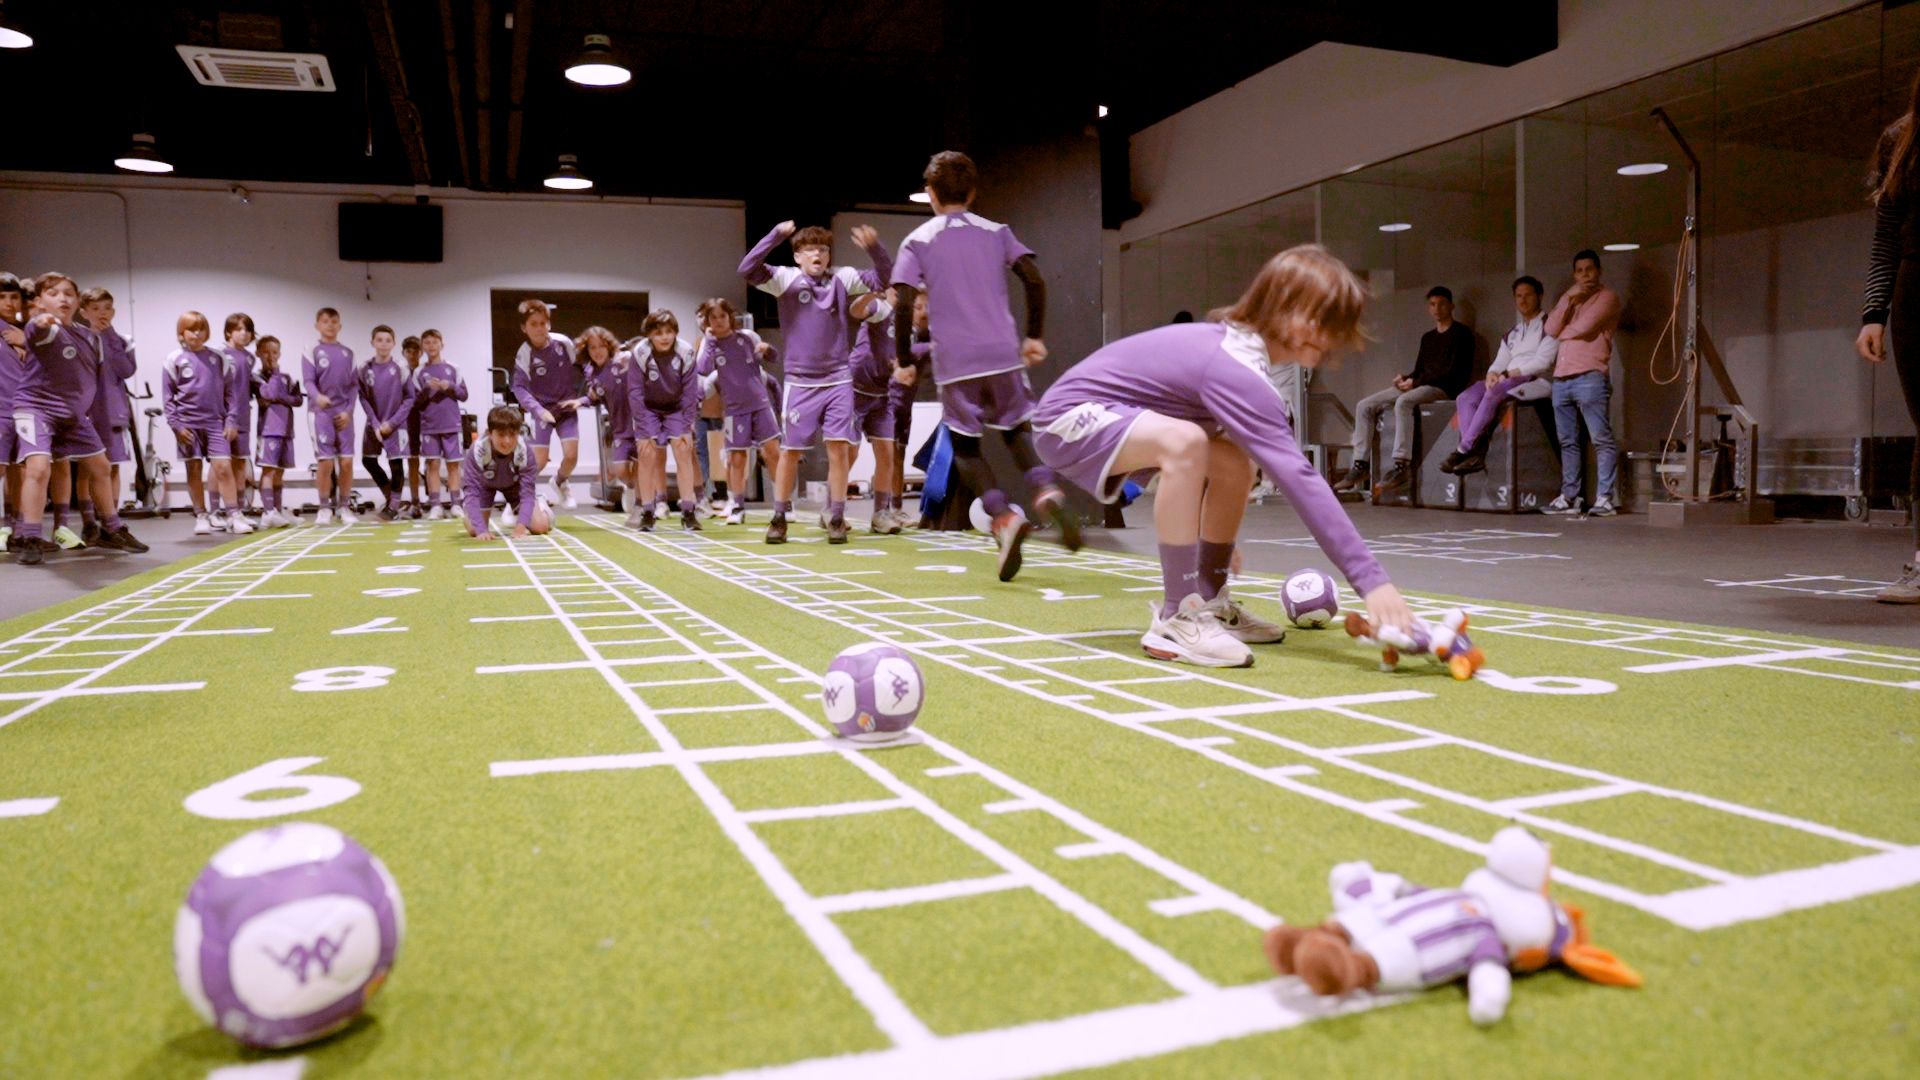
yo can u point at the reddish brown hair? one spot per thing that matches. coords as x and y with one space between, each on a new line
1301 291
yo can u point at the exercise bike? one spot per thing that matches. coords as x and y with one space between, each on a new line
150 480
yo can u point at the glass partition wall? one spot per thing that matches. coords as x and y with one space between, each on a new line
1784 130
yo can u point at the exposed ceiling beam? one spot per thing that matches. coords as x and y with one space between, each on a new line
483 91
517 77
406 115
451 43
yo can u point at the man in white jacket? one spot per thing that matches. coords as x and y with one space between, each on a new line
1520 372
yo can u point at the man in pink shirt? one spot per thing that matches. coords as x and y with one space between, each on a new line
1583 322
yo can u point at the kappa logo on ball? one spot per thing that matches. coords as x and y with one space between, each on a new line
300 957
901 688
831 695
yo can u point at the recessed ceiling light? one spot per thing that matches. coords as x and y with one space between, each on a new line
1103 112
568 177
142 157
921 197
1621 247
596 65
1395 226
1645 168
13 38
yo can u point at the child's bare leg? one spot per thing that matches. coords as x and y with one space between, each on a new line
786 473
453 479
569 456
413 481
1229 479
885 491
737 476
1179 450
343 481
223 480
36 473
839 463
197 487
687 470
322 482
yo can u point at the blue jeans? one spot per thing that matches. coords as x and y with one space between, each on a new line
1585 398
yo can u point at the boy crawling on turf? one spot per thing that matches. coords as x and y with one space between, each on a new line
498 463
1196 403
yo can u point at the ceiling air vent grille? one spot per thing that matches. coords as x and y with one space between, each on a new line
245 69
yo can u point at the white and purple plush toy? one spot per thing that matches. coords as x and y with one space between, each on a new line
1445 642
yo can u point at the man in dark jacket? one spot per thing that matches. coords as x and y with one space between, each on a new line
1442 370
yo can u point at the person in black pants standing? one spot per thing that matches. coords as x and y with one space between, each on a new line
1893 289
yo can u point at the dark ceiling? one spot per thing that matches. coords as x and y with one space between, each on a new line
838 103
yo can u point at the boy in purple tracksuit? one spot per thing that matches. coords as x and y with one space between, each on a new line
386 389
438 391
196 385
1194 402
732 361
546 383
327 376
901 394
608 367
239 334
59 378
279 394
663 397
498 463
13 309
112 409
979 362
410 350
873 412
815 300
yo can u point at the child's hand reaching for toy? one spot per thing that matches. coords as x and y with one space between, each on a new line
1386 607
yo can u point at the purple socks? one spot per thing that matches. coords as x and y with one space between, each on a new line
59 515
1179 574
1214 559
994 502
783 507
837 511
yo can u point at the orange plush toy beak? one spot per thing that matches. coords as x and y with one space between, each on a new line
1590 961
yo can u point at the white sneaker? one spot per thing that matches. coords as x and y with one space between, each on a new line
510 517
201 526
1602 507
1192 635
1561 505
736 514
566 496
661 509
217 520
438 513
499 524
237 524
323 516
348 517
1241 624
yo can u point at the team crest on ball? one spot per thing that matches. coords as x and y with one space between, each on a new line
1309 598
872 692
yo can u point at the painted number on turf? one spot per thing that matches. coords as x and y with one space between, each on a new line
388 594
401 568
1543 684
1056 594
381 625
342 678
401 553
229 799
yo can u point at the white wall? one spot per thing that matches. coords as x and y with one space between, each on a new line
162 249
1335 107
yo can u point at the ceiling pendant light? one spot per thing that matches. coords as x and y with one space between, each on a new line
568 176
596 65
12 37
143 157
921 197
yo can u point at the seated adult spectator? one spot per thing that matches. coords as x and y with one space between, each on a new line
1442 369
1519 372
1584 321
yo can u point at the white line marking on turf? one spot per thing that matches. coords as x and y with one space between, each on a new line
1392 747
510 618
949 770
99 691
1564 798
27 807
826 810
280 1069
873 899
1176 906
596 665
1748 660
1764 897
651 759
1088 850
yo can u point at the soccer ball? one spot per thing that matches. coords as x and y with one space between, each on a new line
982 521
1309 599
872 692
287 934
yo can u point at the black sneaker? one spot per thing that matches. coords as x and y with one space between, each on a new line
646 519
90 534
777 529
387 514
1052 502
122 539
1355 479
1396 479
33 550
1475 462
1452 462
837 531
690 520
414 513
1010 531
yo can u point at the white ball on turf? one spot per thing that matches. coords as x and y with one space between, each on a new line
872 692
1310 599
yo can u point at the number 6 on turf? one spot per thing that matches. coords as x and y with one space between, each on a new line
228 801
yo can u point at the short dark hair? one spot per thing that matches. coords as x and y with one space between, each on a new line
411 342
383 328
660 318
503 418
1442 292
264 341
324 312
45 281
529 308
722 305
430 332
813 236
1182 316
1530 281
953 177
1586 253
10 283
239 320
92 296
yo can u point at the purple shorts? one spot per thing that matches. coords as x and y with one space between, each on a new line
1082 442
901 398
620 450
660 428
203 444
566 425
396 445
810 411
275 452
873 415
58 437
1002 402
330 441
443 447
119 447
748 430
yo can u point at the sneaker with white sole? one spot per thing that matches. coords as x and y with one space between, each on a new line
1009 532
1904 591
68 539
1602 507
634 515
348 517
438 513
218 519
566 496
736 514
237 524
201 526
510 517
1561 505
1241 623
322 516
1192 635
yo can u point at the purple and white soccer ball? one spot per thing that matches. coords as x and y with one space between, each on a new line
872 692
1309 599
982 521
287 934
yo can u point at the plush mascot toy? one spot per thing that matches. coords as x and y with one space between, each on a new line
1392 936
1446 643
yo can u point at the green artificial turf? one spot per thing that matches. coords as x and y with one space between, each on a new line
606 923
